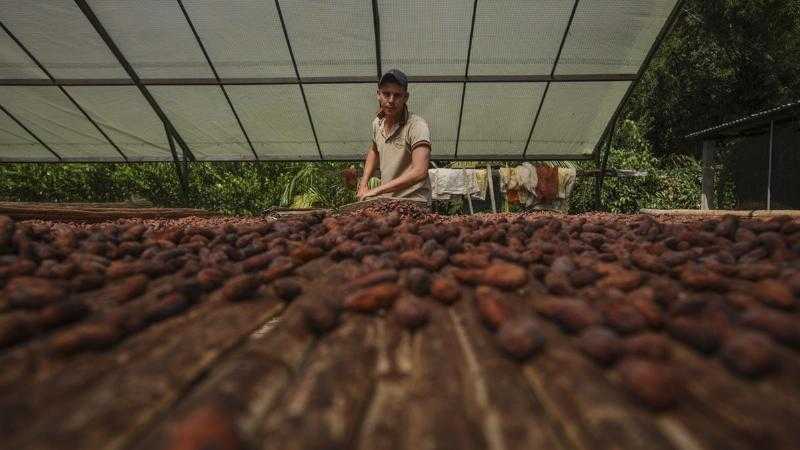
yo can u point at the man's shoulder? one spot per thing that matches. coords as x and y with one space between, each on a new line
415 118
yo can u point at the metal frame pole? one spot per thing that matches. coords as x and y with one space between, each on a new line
466 77
769 169
598 186
490 180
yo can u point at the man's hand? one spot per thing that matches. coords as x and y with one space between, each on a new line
362 190
368 193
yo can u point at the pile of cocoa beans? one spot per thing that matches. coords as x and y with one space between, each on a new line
624 289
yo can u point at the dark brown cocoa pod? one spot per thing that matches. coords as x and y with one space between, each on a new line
601 344
410 312
445 290
239 287
61 313
32 292
780 326
16 327
491 306
373 298
521 337
749 353
207 427
647 346
286 289
504 276
89 336
652 383
418 281
775 294
373 278
624 318
697 333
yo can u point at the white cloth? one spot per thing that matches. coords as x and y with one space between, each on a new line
447 182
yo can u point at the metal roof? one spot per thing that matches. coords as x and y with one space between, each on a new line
162 80
750 124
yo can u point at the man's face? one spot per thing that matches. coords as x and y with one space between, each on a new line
392 98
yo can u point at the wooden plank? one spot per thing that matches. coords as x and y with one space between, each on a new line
100 403
513 417
248 382
324 406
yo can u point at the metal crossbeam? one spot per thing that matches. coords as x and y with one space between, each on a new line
216 76
61 88
466 76
298 80
112 46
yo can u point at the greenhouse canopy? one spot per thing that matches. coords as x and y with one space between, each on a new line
229 80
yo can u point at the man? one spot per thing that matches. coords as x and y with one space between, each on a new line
401 145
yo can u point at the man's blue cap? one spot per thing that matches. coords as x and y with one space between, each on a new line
394 76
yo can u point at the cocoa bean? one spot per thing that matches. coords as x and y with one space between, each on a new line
647 261
6 234
558 283
749 353
86 282
491 307
647 346
775 294
780 326
279 267
170 305
16 327
61 313
521 337
370 279
696 333
418 281
210 278
624 318
652 383
410 312
758 271
727 227
373 298
90 336
286 289
259 261
625 280
319 316
204 428
32 292
239 287
504 276
571 314
583 277
445 290
470 260
699 279
601 344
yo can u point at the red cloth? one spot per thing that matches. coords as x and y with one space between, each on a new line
547 184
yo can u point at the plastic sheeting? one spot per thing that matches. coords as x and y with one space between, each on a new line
497 118
514 37
61 38
204 120
17 145
337 55
424 37
574 116
48 113
127 119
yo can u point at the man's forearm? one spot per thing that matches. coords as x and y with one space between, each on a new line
369 167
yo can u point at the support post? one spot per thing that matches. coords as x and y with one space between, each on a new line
598 184
769 169
490 180
181 171
707 200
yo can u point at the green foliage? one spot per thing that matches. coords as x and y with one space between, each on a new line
228 187
671 182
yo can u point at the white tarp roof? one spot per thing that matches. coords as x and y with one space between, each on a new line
103 80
